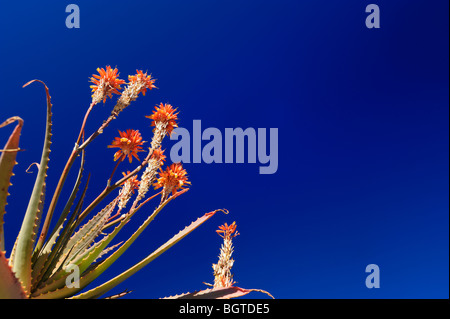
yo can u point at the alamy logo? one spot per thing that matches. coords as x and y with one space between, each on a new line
219 149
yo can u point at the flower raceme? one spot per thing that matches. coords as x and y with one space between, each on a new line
164 117
132 182
105 83
159 156
139 83
130 143
227 231
172 179
156 161
164 120
222 270
145 81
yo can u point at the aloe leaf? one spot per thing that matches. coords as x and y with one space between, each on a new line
38 214
37 268
218 293
10 287
58 249
57 278
90 231
102 289
79 259
60 223
7 163
24 248
57 281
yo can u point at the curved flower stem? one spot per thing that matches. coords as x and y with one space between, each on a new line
133 210
113 223
84 123
115 215
108 183
97 133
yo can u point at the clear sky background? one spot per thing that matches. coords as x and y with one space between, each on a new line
362 116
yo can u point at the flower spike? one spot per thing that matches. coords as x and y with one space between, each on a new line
222 270
172 179
159 156
227 231
145 80
105 83
132 181
164 120
139 83
156 161
164 114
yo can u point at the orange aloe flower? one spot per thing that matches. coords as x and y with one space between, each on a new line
107 81
133 182
164 114
226 231
129 143
172 179
158 155
144 79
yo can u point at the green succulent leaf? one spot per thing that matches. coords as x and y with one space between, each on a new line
56 256
89 231
60 223
24 248
7 163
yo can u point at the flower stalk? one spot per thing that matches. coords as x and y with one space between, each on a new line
223 278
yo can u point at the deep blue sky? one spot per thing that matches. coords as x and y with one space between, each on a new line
363 134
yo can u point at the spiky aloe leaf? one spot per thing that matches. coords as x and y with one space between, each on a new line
38 267
218 293
57 281
79 259
89 231
102 289
24 248
56 253
83 261
10 287
60 223
7 162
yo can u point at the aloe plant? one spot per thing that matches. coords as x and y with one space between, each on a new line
42 259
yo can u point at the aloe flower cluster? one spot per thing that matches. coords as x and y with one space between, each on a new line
43 259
